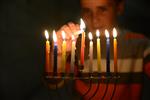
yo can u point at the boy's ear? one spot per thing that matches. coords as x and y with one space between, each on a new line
121 7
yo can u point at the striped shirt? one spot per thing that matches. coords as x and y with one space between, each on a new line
133 60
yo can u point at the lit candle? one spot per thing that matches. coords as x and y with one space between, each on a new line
63 52
115 49
82 27
107 52
98 50
47 52
55 53
91 52
73 54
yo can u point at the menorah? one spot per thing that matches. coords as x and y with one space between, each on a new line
95 77
91 76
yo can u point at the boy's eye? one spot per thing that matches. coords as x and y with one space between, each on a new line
102 9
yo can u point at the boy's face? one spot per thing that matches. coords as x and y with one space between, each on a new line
99 14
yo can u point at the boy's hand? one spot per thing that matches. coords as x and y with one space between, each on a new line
69 29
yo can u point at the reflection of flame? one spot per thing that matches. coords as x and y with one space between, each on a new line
63 35
46 34
54 36
114 33
82 24
106 33
73 38
97 33
90 36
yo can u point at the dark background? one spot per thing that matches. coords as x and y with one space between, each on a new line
33 16
22 23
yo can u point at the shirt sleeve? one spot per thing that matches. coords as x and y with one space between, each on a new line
146 62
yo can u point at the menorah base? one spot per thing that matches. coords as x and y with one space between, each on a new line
95 77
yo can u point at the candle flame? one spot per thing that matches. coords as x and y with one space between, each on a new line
90 36
82 24
73 38
63 35
106 33
54 36
97 33
114 32
46 34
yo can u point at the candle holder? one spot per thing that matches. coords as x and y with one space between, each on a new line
90 78
107 77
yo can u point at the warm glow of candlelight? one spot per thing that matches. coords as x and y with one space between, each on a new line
82 25
54 36
46 34
97 33
106 33
63 35
114 33
90 36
